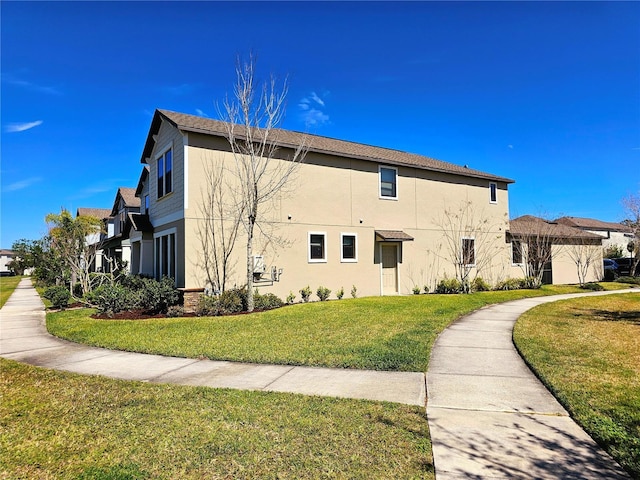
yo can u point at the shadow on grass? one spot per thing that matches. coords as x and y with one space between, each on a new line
610 316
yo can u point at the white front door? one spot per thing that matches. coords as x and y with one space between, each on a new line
389 255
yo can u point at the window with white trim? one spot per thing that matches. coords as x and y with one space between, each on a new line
493 192
468 252
165 256
317 247
349 247
388 180
516 252
165 173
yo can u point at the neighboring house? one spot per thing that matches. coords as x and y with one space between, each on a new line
567 244
117 246
353 215
96 239
614 234
5 257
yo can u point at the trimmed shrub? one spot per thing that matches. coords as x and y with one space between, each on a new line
449 286
630 280
323 293
596 287
479 285
510 284
354 292
157 296
340 293
426 288
267 301
58 295
207 306
230 301
416 290
291 298
305 293
110 299
175 311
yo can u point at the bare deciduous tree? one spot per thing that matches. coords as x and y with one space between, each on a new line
263 167
470 240
632 206
536 237
218 226
585 254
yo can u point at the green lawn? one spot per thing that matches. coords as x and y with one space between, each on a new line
7 286
58 425
587 352
379 333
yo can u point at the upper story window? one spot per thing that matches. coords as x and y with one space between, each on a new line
349 252
317 247
165 169
493 192
146 204
468 252
388 182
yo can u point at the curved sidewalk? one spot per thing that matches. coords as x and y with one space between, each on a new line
24 338
489 415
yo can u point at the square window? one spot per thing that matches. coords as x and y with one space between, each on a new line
317 250
388 182
493 193
349 248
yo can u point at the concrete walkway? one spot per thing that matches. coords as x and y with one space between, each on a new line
491 418
24 338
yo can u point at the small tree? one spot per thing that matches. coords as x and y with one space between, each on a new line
469 240
68 239
262 167
632 207
585 254
218 226
24 256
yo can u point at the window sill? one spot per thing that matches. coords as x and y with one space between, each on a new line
164 196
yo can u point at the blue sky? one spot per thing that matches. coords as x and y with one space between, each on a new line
546 93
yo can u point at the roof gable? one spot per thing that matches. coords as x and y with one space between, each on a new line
593 224
128 197
528 225
314 143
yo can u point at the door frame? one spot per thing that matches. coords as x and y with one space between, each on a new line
397 247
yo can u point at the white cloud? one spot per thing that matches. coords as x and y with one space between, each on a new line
34 87
201 113
312 110
510 147
21 127
22 184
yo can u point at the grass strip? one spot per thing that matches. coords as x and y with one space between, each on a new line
587 352
377 333
67 426
7 286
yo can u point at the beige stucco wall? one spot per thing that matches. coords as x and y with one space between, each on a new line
334 195
564 265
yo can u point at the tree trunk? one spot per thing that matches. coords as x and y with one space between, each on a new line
250 303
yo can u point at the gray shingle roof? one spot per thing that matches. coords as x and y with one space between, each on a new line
100 213
593 224
528 225
319 144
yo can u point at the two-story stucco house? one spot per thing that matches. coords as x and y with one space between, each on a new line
613 234
353 214
117 245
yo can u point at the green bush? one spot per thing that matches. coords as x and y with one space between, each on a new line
175 311
449 285
323 293
305 293
267 301
416 290
631 280
207 306
110 299
479 285
426 288
596 287
291 298
510 284
157 296
58 295
230 301
354 291
340 293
